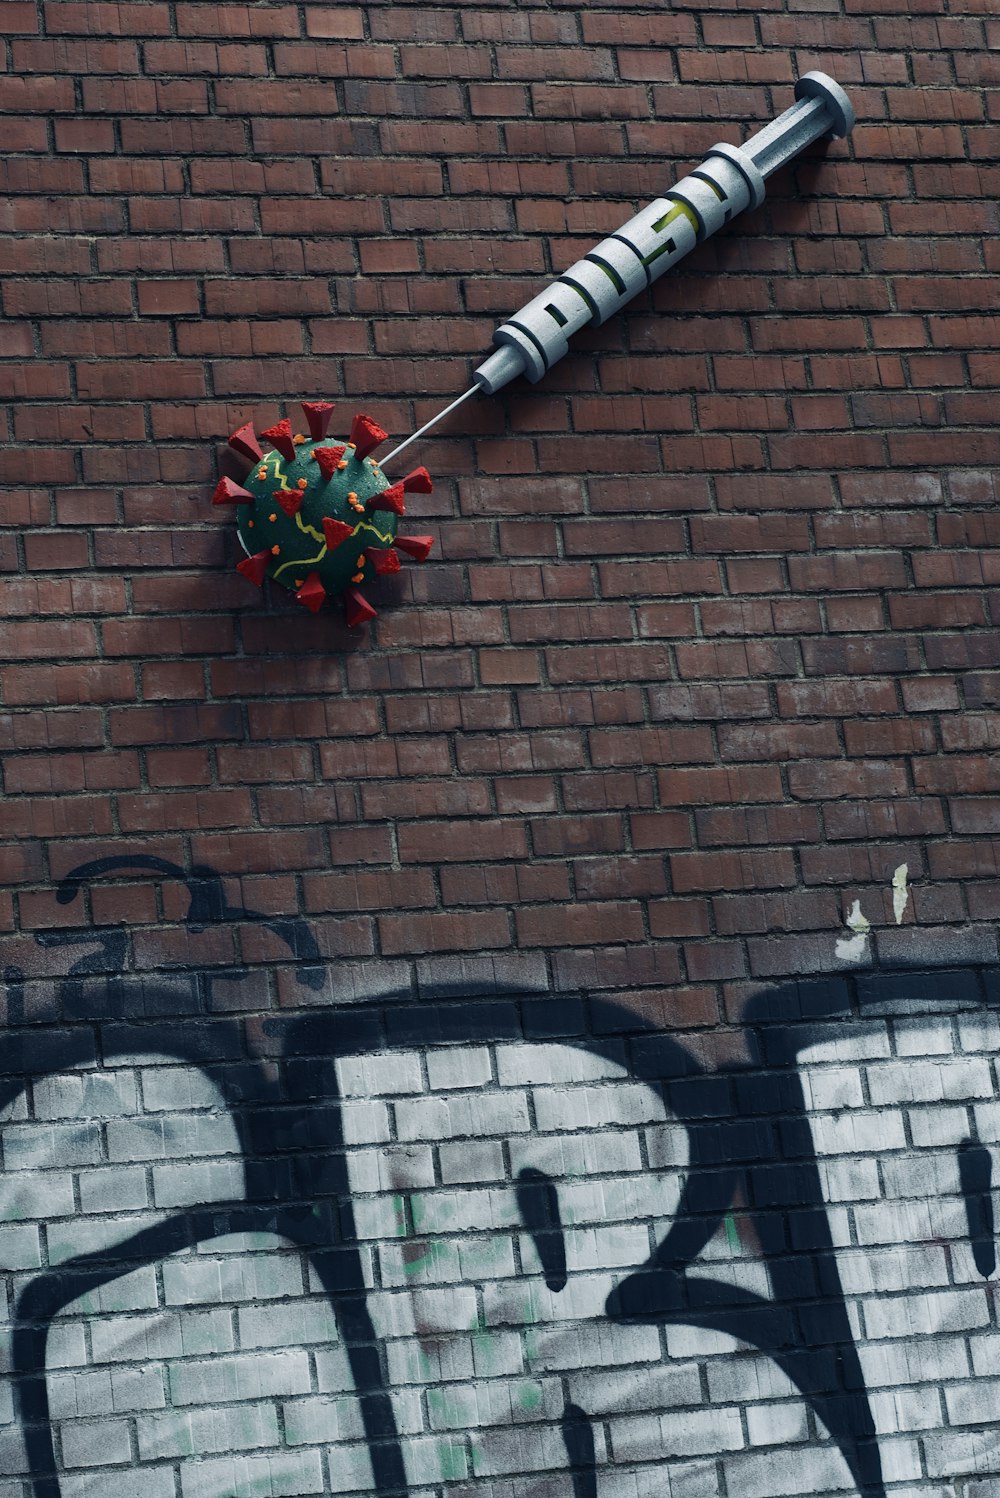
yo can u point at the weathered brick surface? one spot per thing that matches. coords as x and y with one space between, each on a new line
775 394
707 651
479 1193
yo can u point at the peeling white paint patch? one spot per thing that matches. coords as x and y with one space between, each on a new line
900 892
856 921
854 948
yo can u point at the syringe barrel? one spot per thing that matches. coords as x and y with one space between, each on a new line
730 179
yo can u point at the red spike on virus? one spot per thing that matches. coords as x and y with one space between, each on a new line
291 502
312 594
280 436
228 493
255 567
318 415
336 532
357 608
245 442
324 518
384 562
366 435
390 499
417 547
329 460
418 482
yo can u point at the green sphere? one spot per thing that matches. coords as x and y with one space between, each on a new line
293 533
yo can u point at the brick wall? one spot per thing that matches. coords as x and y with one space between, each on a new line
457 1053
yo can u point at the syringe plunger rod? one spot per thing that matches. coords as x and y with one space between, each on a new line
730 179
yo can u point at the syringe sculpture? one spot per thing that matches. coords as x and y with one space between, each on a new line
730 179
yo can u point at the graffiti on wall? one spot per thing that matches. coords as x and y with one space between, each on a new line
484 1243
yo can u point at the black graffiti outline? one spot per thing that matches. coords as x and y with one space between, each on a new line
780 1185
687 1092
267 1181
207 906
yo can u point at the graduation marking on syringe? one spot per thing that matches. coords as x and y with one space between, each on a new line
730 179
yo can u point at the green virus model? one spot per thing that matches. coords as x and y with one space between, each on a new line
317 517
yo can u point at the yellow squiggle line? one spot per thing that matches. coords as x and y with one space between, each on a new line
306 530
311 561
300 562
364 526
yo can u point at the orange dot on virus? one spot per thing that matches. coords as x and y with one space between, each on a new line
320 495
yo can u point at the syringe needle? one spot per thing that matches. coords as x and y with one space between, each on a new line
474 390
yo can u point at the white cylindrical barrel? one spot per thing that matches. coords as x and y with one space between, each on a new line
730 179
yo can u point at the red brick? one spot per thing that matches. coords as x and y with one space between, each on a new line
168 298
79 135
710 700
716 871
450 842
18 16
443 931
866 737
675 918
383 890
662 829
71 18
32 775
559 836
63 686
825 779
722 785
742 826
568 925
335 21
962 775
710 660
905 817
650 746
747 742
852 614
94 54
813 699
774 491
607 790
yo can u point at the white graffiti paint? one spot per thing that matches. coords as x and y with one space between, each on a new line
498 1348
855 948
499 1193
901 1110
